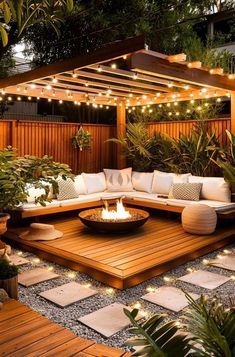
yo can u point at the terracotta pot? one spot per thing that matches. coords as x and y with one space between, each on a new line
3 222
11 286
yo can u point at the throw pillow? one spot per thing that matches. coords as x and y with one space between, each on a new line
162 181
213 188
66 189
79 184
186 191
119 180
94 182
142 181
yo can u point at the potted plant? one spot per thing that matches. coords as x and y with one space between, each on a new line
82 139
9 278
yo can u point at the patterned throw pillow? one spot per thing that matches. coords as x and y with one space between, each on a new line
119 180
66 189
186 191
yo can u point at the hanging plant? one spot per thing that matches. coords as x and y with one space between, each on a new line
82 139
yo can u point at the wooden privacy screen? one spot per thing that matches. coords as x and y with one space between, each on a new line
54 139
173 129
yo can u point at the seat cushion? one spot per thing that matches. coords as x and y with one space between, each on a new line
31 206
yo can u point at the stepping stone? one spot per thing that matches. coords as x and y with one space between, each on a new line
18 260
68 294
205 279
169 297
108 320
35 276
225 262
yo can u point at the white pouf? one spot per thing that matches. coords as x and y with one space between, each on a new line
199 219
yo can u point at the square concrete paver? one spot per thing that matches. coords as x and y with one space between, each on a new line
169 297
68 294
17 260
108 320
35 276
225 262
205 279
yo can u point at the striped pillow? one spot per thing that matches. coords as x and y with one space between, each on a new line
186 191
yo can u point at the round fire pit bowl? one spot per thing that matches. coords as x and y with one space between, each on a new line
92 218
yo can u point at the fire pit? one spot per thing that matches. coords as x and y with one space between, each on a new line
114 219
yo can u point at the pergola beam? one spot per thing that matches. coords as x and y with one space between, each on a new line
147 64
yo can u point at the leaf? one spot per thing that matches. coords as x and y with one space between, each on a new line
7 12
69 5
4 36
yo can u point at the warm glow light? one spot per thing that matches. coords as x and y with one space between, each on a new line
170 84
135 76
18 98
150 289
136 305
72 275
74 75
119 213
9 98
36 260
99 69
113 65
54 80
87 285
60 101
218 100
32 86
50 268
167 279
205 261
226 251
19 253
29 98
109 291
48 87
49 100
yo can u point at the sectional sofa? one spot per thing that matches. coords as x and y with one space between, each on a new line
158 190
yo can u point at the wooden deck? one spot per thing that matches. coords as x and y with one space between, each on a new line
126 260
25 333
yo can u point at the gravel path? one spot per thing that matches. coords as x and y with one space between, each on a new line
68 317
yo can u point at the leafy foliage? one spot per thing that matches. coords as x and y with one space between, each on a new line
213 327
17 172
82 139
7 270
157 339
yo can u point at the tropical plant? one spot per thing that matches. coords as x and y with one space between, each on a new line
82 139
18 16
213 328
17 173
157 339
7 270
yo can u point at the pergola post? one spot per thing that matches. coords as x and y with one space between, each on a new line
121 131
233 112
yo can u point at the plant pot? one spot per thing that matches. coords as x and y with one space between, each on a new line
11 286
3 222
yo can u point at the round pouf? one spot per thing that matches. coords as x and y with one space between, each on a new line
199 219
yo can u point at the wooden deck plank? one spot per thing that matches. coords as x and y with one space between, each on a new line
124 260
39 336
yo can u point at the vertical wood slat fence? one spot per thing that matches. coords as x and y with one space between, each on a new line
173 129
54 139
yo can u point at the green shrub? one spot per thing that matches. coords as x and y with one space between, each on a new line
7 270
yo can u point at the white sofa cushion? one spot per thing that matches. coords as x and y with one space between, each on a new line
33 193
79 184
162 181
94 182
213 188
118 180
32 205
142 181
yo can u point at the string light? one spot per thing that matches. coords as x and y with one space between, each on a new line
32 85
53 93
107 107
3 91
38 98
167 279
54 80
177 113
48 87
60 101
135 76
170 84
192 101
19 98
170 113
175 103
218 100
9 98
187 111
87 285
168 104
204 90
29 98
72 275
113 65
25 90
232 277
99 69
124 57
144 96
1 98
49 100
18 89
74 74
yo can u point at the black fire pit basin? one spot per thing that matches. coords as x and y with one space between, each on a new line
88 218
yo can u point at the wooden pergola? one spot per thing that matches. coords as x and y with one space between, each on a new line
124 74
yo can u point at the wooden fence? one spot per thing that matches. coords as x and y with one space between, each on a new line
54 139
173 129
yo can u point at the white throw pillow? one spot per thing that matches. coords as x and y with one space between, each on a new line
142 181
162 181
119 180
213 188
94 182
66 189
80 186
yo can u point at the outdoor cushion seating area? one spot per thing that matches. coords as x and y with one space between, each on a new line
155 190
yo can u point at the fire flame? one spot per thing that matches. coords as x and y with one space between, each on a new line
119 213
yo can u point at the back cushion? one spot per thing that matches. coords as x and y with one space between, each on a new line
80 186
213 188
119 180
34 193
94 182
142 181
162 181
